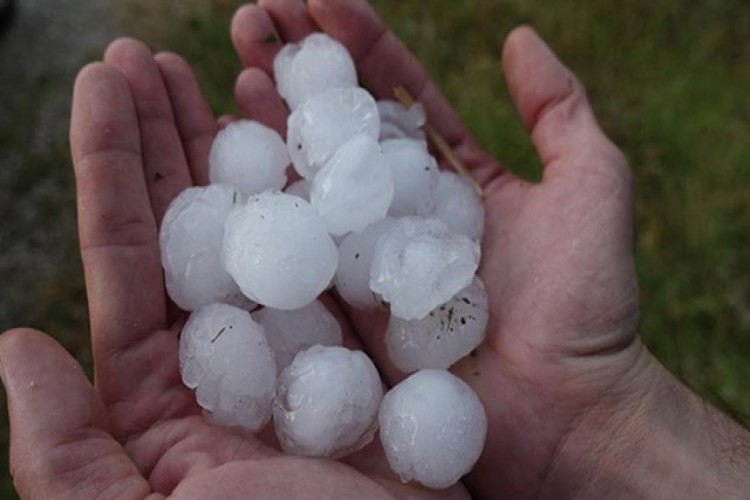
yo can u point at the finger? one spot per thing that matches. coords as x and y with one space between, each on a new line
554 108
193 117
383 63
225 120
255 37
290 17
118 234
60 444
164 161
258 99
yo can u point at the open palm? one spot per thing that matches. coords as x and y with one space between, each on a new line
557 256
557 265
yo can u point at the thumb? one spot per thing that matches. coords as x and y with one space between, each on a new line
59 443
554 108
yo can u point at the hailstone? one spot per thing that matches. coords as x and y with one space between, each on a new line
316 64
278 251
415 174
190 241
354 188
250 156
324 122
448 333
432 427
397 121
327 402
352 278
419 264
224 355
290 332
300 188
458 205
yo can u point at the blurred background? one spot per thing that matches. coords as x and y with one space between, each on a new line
669 81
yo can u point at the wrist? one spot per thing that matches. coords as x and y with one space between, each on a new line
651 437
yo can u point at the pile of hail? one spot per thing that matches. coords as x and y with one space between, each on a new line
370 214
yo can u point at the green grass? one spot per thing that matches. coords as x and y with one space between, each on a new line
669 82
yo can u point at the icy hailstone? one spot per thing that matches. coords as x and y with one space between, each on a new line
290 332
432 427
249 156
415 173
278 251
354 188
352 278
397 121
316 64
323 123
300 188
418 264
458 205
445 335
224 355
190 242
327 402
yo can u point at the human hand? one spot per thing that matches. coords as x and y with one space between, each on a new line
141 133
562 374
557 256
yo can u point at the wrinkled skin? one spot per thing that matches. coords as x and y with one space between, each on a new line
561 359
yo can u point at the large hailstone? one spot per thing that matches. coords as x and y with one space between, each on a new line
249 156
290 332
190 242
354 188
419 264
458 205
432 427
399 122
415 174
224 355
445 335
278 251
327 402
316 64
324 122
352 278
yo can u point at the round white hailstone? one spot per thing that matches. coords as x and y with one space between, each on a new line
458 205
415 174
277 249
445 335
249 156
316 64
223 354
300 188
324 122
190 242
354 188
397 121
327 402
290 332
352 278
433 427
419 264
